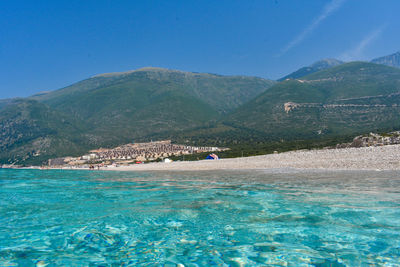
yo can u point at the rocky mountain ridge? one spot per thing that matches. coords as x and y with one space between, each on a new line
392 60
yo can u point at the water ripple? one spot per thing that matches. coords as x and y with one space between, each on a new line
75 218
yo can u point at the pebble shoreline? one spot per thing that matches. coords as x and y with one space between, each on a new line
364 158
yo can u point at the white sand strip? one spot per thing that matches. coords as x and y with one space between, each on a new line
366 158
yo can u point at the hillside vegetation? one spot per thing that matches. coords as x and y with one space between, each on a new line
322 109
32 132
345 99
116 108
250 115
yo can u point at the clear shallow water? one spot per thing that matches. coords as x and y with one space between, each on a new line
82 218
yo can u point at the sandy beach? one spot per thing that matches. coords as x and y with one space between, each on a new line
365 158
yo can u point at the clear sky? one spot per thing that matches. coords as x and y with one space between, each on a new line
46 45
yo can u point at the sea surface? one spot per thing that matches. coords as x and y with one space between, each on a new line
242 218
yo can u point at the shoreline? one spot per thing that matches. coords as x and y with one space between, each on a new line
364 158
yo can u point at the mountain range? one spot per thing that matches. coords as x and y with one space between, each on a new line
327 100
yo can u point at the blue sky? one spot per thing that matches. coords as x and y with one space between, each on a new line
46 45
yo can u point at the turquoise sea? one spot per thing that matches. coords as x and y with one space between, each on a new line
243 218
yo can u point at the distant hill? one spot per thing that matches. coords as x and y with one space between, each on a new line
317 66
392 60
116 108
346 99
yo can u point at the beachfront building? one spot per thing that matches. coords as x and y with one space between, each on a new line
138 152
149 151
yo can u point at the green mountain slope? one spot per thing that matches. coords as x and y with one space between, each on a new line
317 66
119 107
392 60
245 113
116 108
31 132
224 93
347 99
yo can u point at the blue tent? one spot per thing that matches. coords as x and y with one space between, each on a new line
212 156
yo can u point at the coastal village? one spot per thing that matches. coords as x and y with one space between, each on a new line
134 153
138 153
